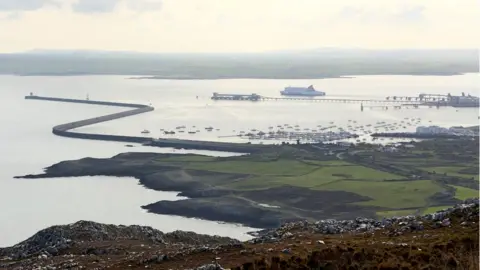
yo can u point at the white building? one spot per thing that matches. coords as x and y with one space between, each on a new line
459 131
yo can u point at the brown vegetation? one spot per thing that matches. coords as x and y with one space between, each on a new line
450 247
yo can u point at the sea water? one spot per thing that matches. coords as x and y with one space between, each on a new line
27 144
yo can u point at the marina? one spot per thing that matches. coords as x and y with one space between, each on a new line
275 134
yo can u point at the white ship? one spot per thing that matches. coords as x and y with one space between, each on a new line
301 91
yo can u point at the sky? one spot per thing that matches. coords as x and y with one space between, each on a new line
237 25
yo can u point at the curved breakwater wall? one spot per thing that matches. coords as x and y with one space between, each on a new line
64 129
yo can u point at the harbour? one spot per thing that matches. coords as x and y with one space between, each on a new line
64 130
285 133
31 146
429 100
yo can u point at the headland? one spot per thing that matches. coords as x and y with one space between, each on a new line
299 182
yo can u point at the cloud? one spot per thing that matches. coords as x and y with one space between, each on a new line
10 16
80 6
25 5
94 6
144 5
411 14
103 6
403 14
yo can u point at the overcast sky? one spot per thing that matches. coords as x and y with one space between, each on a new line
237 25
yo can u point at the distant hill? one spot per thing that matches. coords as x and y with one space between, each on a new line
317 63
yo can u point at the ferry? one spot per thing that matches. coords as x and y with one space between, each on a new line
301 91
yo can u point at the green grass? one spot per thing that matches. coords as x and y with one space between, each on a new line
280 167
393 195
434 209
330 162
395 213
361 172
463 193
313 179
187 158
316 178
451 170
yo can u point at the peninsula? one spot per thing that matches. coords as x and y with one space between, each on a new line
299 182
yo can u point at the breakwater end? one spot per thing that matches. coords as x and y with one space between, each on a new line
65 130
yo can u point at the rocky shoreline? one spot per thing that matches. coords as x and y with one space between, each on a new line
87 244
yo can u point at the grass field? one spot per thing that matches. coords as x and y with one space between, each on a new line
280 167
463 193
316 178
403 194
451 170
434 209
395 213
320 169
187 158
268 170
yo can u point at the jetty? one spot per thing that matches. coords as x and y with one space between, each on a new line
256 97
430 100
65 130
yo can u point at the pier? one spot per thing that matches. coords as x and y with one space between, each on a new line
335 100
64 130
255 97
431 100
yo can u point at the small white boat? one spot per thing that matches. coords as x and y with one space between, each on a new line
145 131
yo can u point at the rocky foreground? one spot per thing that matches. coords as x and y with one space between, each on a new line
444 240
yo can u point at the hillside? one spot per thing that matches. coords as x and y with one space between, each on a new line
446 239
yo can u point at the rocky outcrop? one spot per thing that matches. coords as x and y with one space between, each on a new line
467 211
227 209
54 240
448 237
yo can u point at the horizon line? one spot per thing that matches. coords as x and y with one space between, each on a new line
46 51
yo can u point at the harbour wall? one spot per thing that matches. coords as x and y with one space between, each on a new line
64 130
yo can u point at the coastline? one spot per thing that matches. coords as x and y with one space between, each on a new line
293 182
207 201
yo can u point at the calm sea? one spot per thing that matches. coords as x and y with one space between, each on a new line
27 145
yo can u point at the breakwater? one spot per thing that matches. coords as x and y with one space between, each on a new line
64 130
